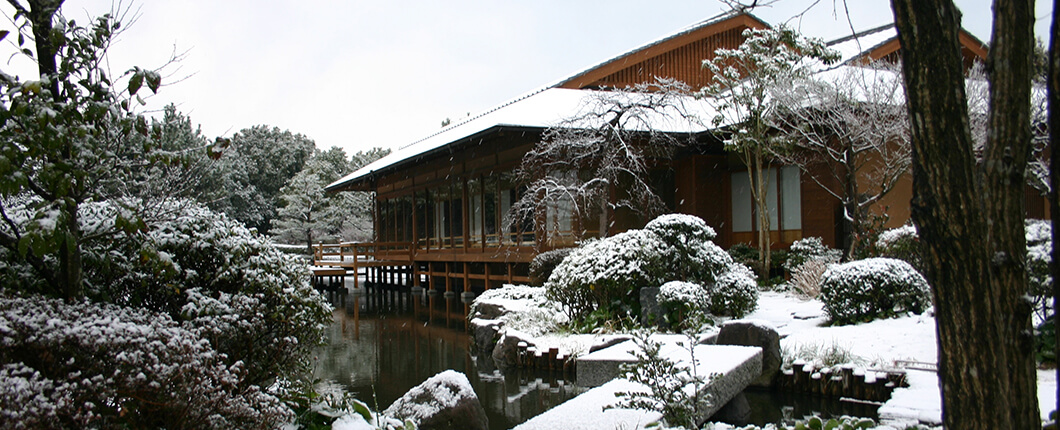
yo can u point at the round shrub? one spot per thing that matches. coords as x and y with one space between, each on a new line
543 264
607 273
902 243
682 295
681 228
683 304
735 293
690 254
865 290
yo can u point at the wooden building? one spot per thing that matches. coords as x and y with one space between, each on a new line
441 201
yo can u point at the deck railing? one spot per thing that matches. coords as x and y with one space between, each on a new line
351 253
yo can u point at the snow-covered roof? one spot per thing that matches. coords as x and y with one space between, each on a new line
547 106
853 46
539 109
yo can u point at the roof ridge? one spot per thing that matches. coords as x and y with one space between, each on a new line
680 32
860 34
470 118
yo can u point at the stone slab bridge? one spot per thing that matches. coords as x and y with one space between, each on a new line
736 367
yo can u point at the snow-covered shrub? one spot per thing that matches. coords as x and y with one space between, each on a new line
684 295
543 264
524 308
902 243
684 304
86 365
230 285
810 248
607 273
865 290
735 293
1039 235
690 255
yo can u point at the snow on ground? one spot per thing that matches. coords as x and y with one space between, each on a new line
881 343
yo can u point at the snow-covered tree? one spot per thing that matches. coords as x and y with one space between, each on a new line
850 134
310 214
259 161
599 160
746 80
977 90
63 136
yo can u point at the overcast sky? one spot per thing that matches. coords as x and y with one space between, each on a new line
358 74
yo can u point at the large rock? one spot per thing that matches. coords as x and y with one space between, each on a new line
444 401
488 310
506 353
755 333
485 333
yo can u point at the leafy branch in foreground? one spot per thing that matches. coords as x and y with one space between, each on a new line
675 389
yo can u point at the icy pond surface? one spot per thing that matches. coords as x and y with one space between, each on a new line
379 356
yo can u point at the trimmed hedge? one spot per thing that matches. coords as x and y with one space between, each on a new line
865 290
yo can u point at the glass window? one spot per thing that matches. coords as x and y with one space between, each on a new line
791 198
742 215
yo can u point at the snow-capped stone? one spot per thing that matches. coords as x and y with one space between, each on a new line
443 401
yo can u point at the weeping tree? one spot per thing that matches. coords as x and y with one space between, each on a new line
746 82
850 134
599 160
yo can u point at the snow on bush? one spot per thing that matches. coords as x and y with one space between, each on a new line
526 309
543 264
810 248
230 285
1039 235
607 273
902 243
865 290
681 228
104 366
690 255
683 295
684 305
735 293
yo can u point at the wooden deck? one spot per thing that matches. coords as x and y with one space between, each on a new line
403 262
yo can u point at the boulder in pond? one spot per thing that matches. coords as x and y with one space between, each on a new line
506 353
755 333
443 401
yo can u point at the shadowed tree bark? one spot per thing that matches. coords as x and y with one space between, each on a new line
1053 88
970 216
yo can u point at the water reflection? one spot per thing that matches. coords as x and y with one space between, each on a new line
379 356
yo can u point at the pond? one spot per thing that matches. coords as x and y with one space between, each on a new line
378 349
379 355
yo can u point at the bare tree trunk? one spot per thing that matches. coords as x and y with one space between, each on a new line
985 362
